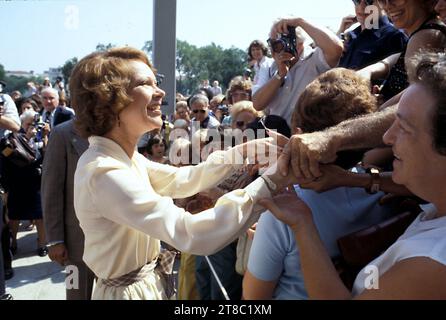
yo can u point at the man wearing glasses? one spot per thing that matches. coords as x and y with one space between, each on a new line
368 44
296 64
199 105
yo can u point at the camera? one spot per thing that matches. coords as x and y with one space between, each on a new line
286 42
39 125
224 109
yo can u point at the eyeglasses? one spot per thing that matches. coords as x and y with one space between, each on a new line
367 2
383 3
196 111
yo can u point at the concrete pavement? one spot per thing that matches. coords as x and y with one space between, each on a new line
38 278
35 278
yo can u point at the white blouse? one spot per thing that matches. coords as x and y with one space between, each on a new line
125 207
425 237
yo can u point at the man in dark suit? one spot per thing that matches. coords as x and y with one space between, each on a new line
53 113
65 237
62 115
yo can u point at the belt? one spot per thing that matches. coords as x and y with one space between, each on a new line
163 265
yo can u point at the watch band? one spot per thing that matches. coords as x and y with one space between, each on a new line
278 77
375 181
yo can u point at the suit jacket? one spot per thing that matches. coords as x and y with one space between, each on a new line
62 115
60 161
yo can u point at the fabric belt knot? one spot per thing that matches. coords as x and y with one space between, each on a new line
165 262
163 265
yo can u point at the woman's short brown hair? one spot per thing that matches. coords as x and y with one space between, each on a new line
335 96
100 85
238 83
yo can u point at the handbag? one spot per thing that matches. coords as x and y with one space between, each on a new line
15 148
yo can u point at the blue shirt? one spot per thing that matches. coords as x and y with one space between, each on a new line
274 254
368 46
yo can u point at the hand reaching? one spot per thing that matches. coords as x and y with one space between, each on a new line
304 152
288 208
332 177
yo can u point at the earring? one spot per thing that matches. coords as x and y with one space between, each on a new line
119 121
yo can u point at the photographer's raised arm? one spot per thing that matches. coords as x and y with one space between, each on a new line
267 92
8 124
323 38
9 118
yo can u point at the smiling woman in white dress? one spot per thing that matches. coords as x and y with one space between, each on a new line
124 201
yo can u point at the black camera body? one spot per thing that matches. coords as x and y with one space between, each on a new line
39 125
286 42
224 109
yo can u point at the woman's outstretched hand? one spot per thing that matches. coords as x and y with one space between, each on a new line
288 208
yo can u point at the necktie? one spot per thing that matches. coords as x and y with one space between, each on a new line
48 117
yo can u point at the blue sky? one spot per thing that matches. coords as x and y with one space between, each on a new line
40 34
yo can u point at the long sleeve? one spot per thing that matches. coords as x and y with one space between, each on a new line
123 217
53 186
187 181
124 199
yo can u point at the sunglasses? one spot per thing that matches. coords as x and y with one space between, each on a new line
196 111
367 2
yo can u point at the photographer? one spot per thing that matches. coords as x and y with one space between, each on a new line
23 182
297 65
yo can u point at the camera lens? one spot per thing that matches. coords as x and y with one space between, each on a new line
278 46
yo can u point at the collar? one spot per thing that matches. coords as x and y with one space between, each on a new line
258 64
428 218
111 148
383 22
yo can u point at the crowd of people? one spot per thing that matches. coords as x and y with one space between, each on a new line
249 188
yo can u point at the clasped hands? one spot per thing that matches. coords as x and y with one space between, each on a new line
299 163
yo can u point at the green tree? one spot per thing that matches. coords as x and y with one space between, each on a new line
103 47
2 72
19 83
187 66
148 48
194 64
67 68
210 62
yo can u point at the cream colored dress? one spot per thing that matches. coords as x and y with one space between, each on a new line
125 208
